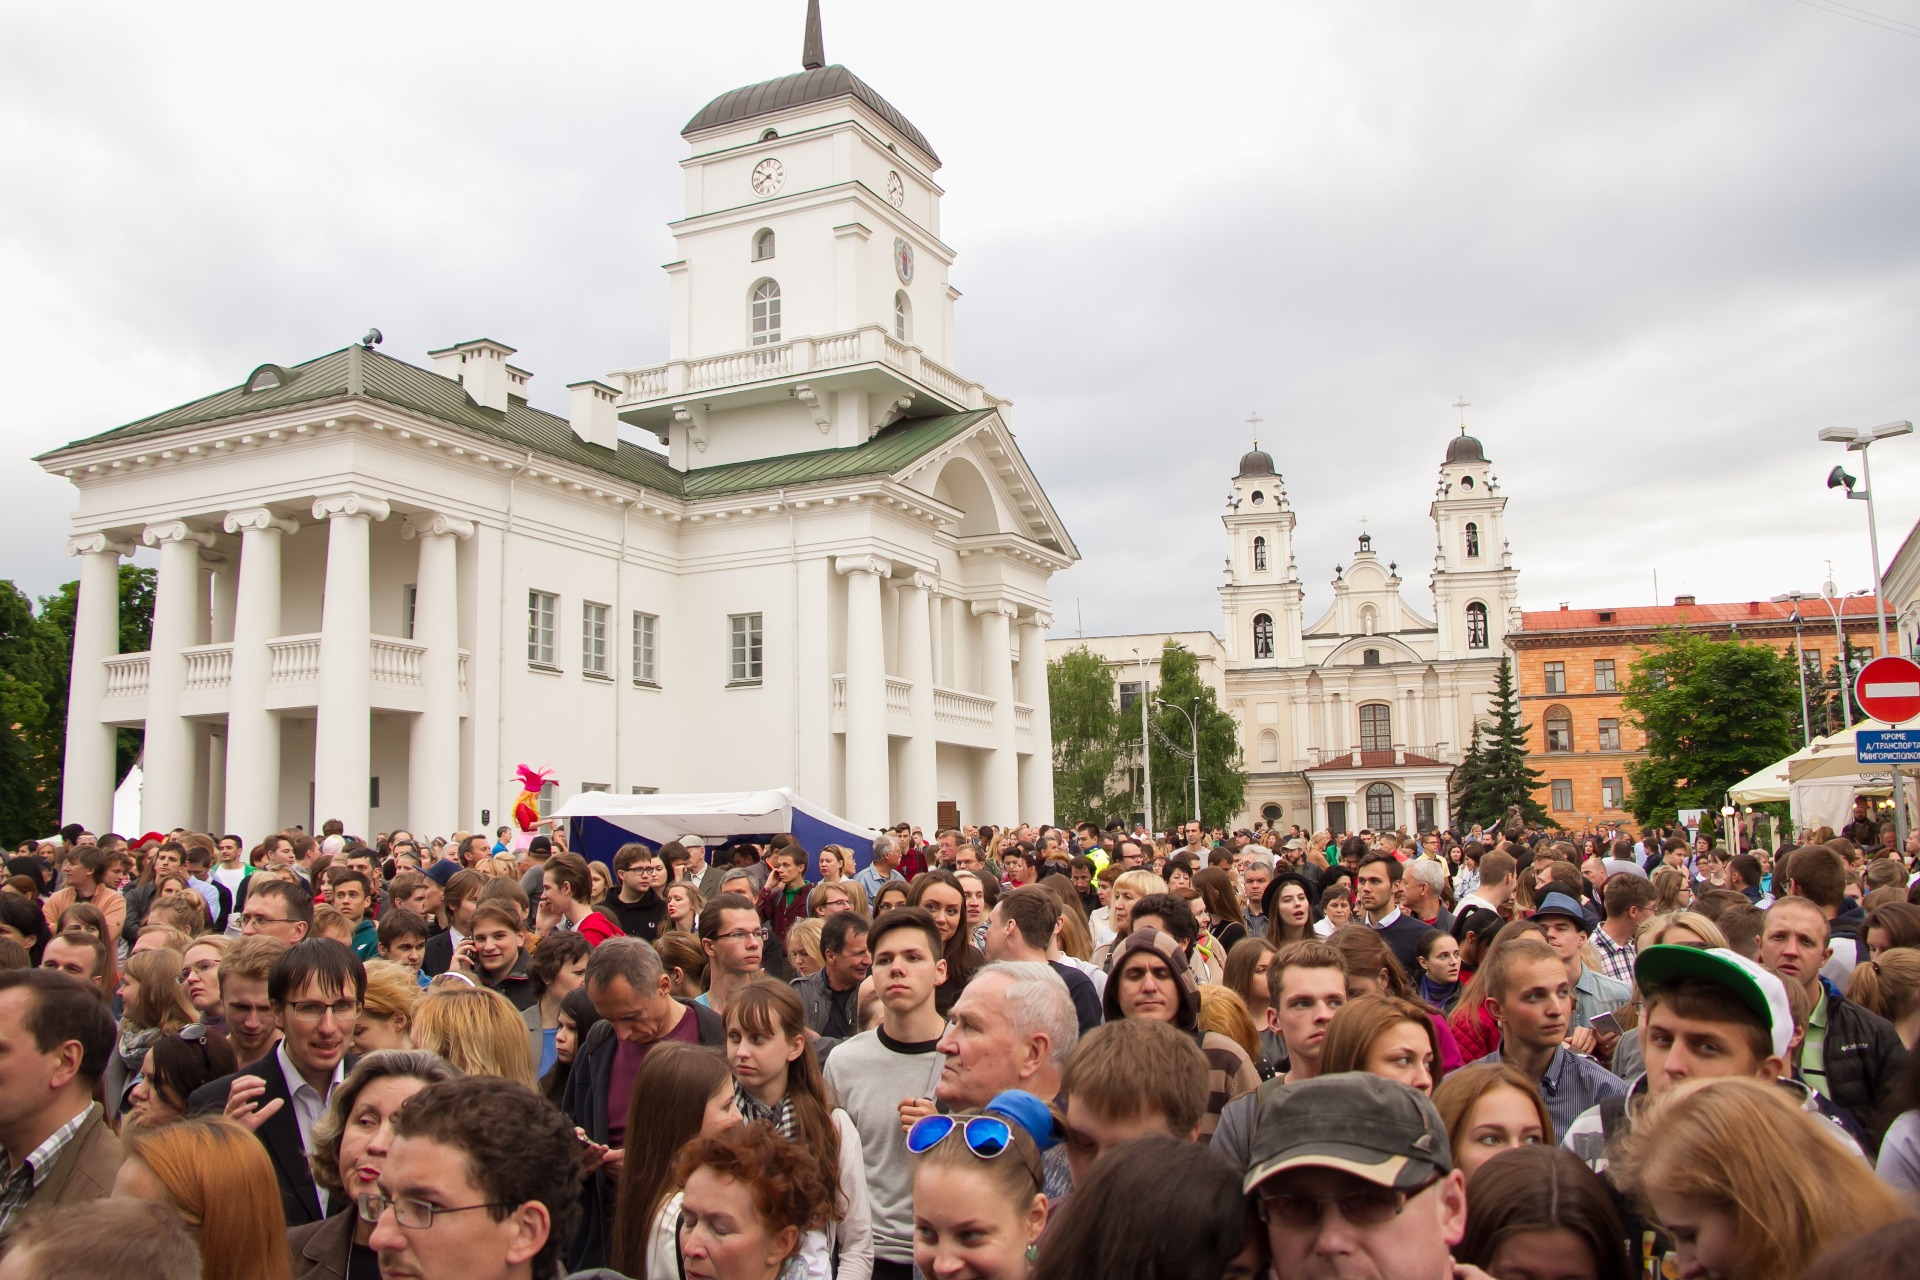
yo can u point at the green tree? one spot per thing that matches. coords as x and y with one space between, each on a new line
33 701
136 635
1223 783
1495 775
1089 737
1713 711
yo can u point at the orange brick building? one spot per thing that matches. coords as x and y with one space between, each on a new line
1570 664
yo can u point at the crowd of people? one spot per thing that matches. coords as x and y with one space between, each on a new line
979 1054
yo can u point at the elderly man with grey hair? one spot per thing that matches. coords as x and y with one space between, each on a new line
1421 890
877 874
631 990
1012 1028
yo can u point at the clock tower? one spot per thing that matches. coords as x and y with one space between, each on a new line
1261 597
811 240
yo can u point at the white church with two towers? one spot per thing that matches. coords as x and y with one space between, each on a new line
802 550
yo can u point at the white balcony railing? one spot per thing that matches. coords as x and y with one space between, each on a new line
293 659
209 666
950 706
898 692
870 344
127 675
1022 720
395 661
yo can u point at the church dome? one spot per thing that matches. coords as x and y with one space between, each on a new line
1257 462
1464 448
819 84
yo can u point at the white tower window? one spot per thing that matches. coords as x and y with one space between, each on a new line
1262 636
1476 625
1473 539
1259 553
902 316
765 313
763 245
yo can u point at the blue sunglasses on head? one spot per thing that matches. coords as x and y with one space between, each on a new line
985 1136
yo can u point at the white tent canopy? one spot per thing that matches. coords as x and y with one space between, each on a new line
1819 781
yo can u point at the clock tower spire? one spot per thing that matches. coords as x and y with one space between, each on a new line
813 53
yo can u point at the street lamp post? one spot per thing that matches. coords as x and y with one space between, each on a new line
1146 744
1800 665
1194 725
1858 440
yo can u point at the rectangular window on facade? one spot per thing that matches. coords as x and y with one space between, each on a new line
646 631
1129 695
646 791
744 648
1376 727
1423 813
593 640
542 606
1563 795
1810 658
1556 677
409 600
1613 793
1609 735
548 790
595 786
1603 675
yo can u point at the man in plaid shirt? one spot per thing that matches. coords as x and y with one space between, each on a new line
1629 900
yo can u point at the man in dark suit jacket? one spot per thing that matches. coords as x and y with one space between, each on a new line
460 896
316 988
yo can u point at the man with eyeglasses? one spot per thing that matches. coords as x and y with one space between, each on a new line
316 988
639 907
733 938
481 1183
1353 1176
277 909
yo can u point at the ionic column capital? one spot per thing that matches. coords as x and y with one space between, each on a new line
364 506
174 531
435 524
1044 621
927 582
93 544
253 519
874 565
1005 608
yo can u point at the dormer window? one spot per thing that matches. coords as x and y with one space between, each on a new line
902 316
1473 540
1259 553
763 245
769 135
764 313
268 377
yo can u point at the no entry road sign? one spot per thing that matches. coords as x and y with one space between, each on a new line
1888 689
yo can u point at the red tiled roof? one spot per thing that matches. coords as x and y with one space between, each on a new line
1378 760
1642 617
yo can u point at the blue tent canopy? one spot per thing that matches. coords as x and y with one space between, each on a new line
599 822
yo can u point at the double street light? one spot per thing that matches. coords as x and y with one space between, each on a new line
1194 725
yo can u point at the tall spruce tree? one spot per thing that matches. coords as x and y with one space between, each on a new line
1495 775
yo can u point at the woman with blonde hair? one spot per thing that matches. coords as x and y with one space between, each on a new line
1889 985
1385 1036
803 946
477 1030
1679 929
1745 1182
153 1003
1670 891
1222 1010
218 1177
836 860
683 908
1127 890
386 1013
500 866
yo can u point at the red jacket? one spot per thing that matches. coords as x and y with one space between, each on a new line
779 914
596 927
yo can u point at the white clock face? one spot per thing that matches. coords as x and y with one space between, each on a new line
768 175
903 260
896 189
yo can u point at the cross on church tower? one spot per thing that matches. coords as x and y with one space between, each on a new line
1255 422
1463 404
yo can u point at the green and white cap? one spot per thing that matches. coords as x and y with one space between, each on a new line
1759 989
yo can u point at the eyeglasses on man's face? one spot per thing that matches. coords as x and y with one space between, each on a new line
1365 1207
741 935
314 1010
412 1215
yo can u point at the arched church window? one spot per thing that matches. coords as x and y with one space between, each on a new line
902 316
769 135
763 244
1559 728
1380 807
1369 619
1376 727
1473 539
1476 625
1262 636
1269 747
1259 553
765 313
1272 812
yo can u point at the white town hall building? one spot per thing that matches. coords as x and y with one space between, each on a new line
382 587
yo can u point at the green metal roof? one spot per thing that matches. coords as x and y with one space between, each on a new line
358 372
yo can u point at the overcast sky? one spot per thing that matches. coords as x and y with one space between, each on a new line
1655 245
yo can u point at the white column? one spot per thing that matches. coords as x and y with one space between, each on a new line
224 603
343 738
88 775
253 732
216 781
1000 797
1036 768
919 768
433 775
166 798
203 601
868 791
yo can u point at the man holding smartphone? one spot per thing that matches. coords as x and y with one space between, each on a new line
1594 993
